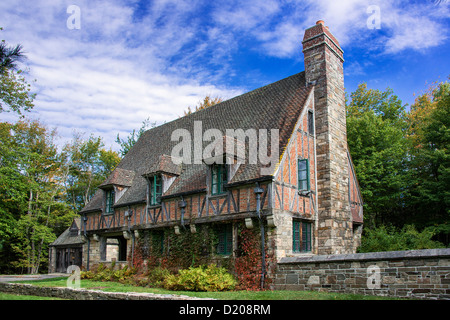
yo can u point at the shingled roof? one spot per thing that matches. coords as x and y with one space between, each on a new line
275 106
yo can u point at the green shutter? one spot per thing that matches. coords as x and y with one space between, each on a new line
306 237
219 179
109 201
155 189
301 236
303 175
225 238
296 236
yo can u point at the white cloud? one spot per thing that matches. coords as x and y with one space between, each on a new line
125 65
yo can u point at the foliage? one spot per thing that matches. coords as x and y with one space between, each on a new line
206 103
202 278
392 239
9 56
247 265
29 195
130 141
86 165
104 273
430 157
376 129
15 92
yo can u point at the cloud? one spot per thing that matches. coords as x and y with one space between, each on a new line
134 59
107 77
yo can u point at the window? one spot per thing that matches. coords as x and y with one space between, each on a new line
155 189
225 235
219 178
110 195
303 175
158 241
310 122
301 236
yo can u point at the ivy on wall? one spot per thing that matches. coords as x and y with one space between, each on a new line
165 249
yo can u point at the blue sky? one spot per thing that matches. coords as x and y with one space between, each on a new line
132 59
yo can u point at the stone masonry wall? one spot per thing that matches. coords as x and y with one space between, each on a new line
414 274
324 69
86 294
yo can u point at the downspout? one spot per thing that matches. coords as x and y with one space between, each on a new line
258 191
182 204
88 241
130 213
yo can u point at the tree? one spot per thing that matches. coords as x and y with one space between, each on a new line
9 56
30 193
129 142
376 131
206 103
15 92
429 133
86 165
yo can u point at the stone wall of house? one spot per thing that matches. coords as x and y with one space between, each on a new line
413 274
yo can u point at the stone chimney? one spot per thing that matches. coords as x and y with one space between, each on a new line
324 69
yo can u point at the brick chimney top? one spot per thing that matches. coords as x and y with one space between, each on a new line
319 34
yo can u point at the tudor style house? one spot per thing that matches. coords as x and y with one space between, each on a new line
307 196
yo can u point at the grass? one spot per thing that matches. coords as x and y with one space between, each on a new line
8 296
227 295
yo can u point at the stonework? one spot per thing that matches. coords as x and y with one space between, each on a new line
410 274
324 70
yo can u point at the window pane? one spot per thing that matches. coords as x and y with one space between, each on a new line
303 174
310 122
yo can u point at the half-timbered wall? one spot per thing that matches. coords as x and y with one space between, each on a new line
199 208
289 204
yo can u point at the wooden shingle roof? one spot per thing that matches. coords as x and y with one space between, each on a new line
275 106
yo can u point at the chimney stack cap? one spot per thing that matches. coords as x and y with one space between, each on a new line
320 22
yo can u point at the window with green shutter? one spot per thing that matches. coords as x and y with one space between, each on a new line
303 175
110 195
155 189
302 239
219 178
224 235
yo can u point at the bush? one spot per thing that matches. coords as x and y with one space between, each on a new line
103 273
157 276
203 278
390 239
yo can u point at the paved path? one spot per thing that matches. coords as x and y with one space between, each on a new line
26 277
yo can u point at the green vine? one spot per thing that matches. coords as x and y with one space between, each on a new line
163 249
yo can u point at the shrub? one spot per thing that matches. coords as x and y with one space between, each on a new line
202 278
103 273
390 239
157 276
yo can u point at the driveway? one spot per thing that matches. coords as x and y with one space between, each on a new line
27 277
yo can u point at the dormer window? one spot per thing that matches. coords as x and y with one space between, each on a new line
219 178
110 197
155 184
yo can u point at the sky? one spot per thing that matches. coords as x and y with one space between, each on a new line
102 67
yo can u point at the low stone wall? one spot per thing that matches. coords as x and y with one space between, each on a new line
416 274
85 294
